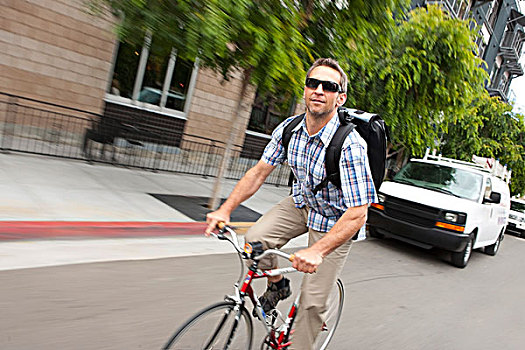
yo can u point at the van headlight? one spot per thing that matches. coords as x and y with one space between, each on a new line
454 217
452 220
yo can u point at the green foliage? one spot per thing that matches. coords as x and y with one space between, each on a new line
419 72
259 38
272 41
502 137
348 30
490 130
426 74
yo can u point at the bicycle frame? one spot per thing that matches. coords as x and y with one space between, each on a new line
277 338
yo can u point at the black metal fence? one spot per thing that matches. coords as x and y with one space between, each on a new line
37 127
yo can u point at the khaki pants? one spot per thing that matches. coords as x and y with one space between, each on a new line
274 229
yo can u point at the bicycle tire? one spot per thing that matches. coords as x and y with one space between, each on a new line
333 316
212 326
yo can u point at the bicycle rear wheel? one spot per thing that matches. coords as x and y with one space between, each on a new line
333 315
212 328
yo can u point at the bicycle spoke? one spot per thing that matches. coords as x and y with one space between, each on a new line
220 325
213 328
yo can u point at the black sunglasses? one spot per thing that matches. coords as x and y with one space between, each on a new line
329 86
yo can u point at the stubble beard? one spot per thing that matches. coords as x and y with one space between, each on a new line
320 115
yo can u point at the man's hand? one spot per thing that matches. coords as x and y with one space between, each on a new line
213 218
307 260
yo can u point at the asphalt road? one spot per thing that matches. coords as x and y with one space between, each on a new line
398 297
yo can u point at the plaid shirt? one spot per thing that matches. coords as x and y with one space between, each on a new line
306 156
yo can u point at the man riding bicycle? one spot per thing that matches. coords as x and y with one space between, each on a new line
331 216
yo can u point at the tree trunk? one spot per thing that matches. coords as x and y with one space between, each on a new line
267 117
400 159
215 197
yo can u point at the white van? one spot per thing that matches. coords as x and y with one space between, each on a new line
444 203
516 223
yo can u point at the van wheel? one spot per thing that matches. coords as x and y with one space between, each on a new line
460 259
493 248
372 232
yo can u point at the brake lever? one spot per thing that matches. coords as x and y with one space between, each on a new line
221 236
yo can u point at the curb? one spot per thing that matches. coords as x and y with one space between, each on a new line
25 230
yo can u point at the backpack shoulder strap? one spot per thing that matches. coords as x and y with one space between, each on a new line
287 132
333 155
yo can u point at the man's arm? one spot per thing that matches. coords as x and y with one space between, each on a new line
345 228
245 188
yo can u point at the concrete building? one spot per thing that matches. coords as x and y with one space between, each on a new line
55 51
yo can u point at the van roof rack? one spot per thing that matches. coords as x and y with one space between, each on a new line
489 165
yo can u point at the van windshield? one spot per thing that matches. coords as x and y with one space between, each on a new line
457 182
517 206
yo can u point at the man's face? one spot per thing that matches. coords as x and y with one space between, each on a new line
320 103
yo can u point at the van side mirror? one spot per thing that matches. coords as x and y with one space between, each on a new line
495 198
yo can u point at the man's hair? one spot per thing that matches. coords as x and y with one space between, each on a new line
330 62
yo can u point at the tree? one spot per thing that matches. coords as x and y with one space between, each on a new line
428 85
269 41
490 130
502 138
258 38
423 77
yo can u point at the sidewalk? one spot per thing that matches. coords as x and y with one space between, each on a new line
48 197
56 212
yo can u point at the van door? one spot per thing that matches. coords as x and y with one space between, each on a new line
503 207
490 218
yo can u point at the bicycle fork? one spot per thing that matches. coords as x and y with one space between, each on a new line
238 311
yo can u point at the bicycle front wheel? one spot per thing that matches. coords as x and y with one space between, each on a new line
219 326
333 315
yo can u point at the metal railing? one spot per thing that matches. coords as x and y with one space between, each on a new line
456 8
37 127
512 44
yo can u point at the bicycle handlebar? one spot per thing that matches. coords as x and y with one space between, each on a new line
275 252
235 242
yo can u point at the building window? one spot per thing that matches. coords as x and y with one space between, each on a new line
493 12
461 8
268 111
494 76
125 70
154 75
151 76
483 40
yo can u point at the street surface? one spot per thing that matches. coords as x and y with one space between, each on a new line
397 297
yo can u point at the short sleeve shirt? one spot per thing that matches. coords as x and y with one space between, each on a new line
306 156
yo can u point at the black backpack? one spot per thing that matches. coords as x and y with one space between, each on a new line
371 128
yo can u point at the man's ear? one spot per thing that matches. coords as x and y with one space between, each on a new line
341 99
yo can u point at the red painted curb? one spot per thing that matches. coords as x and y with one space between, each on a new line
15 230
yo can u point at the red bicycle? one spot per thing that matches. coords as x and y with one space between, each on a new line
228 324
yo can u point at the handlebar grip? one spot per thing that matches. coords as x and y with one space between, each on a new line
221 225
292 257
